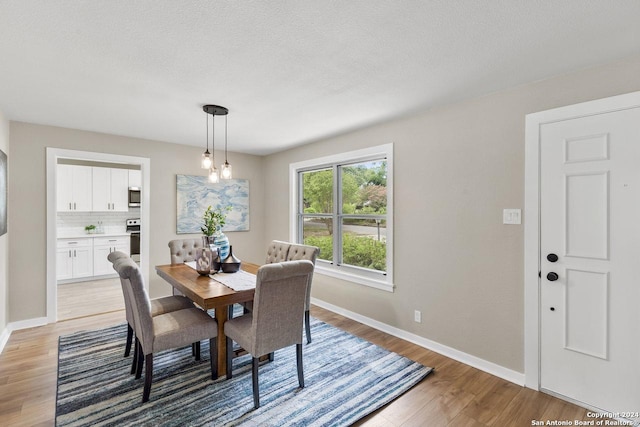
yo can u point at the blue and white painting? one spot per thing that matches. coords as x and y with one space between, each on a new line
195 193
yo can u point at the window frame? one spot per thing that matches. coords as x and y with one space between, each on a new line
376 279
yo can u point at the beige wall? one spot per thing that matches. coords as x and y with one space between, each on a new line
27 186
456 168
4 240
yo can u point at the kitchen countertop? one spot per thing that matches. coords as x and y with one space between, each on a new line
85 235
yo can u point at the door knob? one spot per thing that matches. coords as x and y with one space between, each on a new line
552 257
552 277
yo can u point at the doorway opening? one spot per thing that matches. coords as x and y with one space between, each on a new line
79 280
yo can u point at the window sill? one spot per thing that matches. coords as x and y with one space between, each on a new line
372 282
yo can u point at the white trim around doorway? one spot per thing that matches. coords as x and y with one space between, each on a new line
532 230
53 154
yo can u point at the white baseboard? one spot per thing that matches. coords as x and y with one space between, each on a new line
4 337
16 326
460 356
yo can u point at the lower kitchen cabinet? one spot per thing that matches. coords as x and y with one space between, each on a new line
102 247
74 258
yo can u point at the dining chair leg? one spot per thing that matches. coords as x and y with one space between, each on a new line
134 363
213 355
307 326
256 390
197 350
141 360
148 377
271 356
229 357
127 347
299 363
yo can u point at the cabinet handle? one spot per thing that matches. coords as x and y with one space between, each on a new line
74 253
69 205
74 206
69 253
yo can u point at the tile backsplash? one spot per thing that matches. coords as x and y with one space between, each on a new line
113 222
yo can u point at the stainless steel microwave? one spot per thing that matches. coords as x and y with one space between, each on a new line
134 197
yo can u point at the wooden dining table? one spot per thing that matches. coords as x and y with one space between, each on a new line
208 293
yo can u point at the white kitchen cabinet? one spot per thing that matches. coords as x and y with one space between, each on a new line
102 247
74 188
110 189
74 258
135 178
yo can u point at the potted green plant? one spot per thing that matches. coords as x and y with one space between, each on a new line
90 229
214 220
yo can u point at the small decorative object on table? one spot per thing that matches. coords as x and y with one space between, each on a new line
231 263
204 261
216 261
214 220
90 229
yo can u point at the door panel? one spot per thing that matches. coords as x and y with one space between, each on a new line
586 307
589 216
587 212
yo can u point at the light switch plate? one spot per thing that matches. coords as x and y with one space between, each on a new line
512 216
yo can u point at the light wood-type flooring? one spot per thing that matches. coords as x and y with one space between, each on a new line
82 299
454 395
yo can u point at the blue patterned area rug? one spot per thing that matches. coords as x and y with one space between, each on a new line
346 378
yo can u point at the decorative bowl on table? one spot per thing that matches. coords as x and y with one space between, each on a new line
231 263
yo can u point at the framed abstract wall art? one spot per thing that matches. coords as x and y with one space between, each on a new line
195 193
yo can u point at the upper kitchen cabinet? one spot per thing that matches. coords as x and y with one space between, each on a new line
74 188
135 178
110 189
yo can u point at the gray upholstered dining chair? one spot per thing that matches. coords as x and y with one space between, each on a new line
165 331
181 251
158 306
309 253
276 319
184 250
279 251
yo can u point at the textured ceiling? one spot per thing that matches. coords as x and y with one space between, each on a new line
290 72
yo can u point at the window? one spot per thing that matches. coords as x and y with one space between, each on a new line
343 205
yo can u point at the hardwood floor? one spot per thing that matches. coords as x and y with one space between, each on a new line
82 299
454 395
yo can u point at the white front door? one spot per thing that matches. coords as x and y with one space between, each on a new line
590 259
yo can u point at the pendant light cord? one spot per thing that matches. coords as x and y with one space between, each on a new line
225 139
206 116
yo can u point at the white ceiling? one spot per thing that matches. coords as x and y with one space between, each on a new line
290 72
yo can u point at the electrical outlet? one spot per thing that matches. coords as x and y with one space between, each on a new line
417 316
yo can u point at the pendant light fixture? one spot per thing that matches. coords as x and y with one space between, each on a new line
206 156
214 110
225 171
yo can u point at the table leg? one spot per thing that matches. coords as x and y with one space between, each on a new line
221 318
